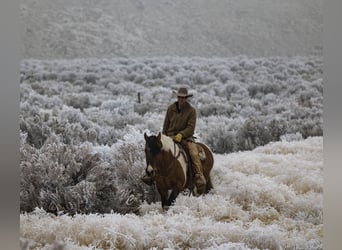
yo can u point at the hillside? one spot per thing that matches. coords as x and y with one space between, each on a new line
55 29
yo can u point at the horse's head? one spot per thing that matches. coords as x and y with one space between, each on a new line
153 144
153 147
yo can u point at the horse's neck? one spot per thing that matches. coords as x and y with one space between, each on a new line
167 143
175 148
165 163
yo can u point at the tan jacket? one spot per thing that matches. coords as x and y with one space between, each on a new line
180 121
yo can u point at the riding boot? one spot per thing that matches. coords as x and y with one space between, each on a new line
147 179
199 178
200 181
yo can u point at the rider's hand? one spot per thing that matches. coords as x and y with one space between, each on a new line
178 137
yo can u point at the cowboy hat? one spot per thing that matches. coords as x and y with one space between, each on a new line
183 92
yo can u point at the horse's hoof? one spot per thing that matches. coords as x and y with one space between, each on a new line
165 208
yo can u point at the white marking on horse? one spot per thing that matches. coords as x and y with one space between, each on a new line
169 145
149 169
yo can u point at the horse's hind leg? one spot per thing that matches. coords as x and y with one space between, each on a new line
209 185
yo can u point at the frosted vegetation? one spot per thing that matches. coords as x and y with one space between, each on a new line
268 198
81 120
82 153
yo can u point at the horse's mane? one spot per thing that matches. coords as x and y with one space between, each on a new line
169 145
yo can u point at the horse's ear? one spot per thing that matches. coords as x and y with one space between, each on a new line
159 136
145 136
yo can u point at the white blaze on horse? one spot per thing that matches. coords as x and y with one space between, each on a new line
169 165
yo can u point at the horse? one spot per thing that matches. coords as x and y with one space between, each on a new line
169 165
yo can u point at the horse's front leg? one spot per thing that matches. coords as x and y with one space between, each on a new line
164 194
173 197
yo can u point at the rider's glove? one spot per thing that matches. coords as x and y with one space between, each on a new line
178 137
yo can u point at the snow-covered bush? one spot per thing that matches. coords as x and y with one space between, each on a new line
60 177
36 129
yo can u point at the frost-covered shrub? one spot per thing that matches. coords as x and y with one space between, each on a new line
139 78
305 97
129 165
153 122
103 178
80 101
311 128
70 115
158 73
252 134
277 128
220 134
87 88
91 78
221 141
81 197
224 75
230 135
108 136
318 85
143 108
295 87
40 88
263 88
68 77
118 185
127 88
71 179
256 132
230 88
120 105
269 99
36 129
183 79
55 178
202 78
253 89
75 134
61 177
291 137
215 109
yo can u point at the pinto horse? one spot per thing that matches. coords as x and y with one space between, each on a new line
168 163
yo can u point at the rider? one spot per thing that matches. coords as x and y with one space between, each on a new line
179 123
